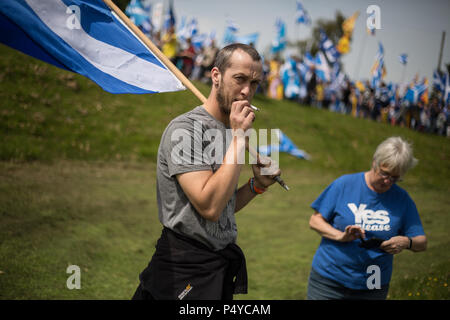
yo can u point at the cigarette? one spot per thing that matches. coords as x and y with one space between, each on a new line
254 108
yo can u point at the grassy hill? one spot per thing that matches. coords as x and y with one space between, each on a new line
77 186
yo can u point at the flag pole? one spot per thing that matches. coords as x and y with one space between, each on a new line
178 74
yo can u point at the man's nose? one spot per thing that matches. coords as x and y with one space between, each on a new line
245 91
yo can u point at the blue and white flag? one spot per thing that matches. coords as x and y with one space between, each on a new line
438 81
86 37
169 17
285 145
308 59
403 58
447 89
280 40
135 11
327 46
230 32
301 15
323 71
250 39
378 69
290 78
414 92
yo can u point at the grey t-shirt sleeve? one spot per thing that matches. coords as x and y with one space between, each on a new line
183 147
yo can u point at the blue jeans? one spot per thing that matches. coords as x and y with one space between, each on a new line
321 288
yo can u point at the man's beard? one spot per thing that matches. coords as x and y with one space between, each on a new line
224 104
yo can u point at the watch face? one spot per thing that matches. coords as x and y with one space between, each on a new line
371 243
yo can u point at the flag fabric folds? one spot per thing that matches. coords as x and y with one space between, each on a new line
139 14
86 37
349 24
301 15
438 81
417 92
378 70
323 71
327 46
447 89
280 41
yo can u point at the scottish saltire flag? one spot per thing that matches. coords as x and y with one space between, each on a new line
251 38
417 92
285 145
327 46
308 59
230 32
447 89
169 17
290 78
135 11
323 71
85 37
403 58
392 92
139 14
304 73
188 30
378 70
280 40
301 15
438 81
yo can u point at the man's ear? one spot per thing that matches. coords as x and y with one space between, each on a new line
215 76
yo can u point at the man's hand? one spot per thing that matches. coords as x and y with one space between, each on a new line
241 115
395 244
264 181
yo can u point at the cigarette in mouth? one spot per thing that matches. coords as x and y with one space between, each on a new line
254 108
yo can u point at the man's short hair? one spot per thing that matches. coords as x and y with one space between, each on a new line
222 61
395 154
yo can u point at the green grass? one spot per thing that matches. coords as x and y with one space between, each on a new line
77 186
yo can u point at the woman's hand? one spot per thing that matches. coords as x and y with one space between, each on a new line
395 244
351 233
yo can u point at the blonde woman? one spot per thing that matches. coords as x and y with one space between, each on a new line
364 219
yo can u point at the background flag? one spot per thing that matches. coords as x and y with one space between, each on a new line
322 68
280 41
301 15
85 37
327 46
403 58
378 70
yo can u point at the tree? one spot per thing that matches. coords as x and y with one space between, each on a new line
122 4
333 29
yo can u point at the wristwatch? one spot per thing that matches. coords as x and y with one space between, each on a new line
410 243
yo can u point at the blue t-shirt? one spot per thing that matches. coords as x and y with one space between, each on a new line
349 201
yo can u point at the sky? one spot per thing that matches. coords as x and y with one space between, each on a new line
413 27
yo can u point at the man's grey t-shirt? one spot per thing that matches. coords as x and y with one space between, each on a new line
194 141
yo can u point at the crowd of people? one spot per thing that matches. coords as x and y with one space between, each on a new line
358 99
387 103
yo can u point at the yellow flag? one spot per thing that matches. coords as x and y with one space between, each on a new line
424 96
343 45
349 24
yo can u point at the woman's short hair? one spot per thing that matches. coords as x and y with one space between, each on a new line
222 61
395 154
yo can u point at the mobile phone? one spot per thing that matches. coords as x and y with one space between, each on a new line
371 243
